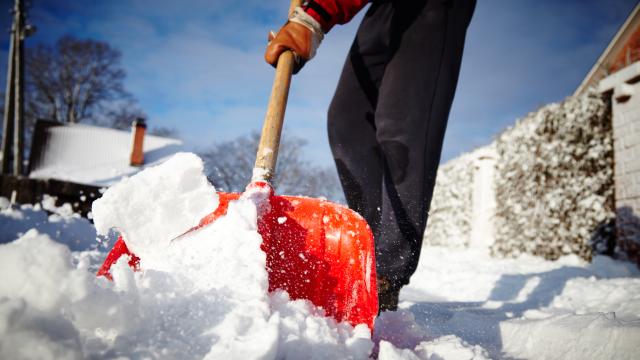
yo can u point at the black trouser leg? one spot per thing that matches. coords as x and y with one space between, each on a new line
351 125
388 117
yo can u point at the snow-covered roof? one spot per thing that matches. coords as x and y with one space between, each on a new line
91 155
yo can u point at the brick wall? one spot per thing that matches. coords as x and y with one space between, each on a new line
625 90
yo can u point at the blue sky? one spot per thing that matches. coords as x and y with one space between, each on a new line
197 65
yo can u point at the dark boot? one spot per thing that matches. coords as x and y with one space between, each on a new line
387 296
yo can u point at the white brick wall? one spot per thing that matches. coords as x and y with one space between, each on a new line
626 137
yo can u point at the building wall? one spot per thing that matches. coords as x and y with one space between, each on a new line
625 90
626 137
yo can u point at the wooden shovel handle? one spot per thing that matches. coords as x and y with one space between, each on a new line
265 165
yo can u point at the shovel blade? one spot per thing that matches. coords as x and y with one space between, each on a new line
316 250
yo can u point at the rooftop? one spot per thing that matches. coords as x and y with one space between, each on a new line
91 155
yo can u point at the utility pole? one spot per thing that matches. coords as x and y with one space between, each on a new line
18 92
13 125
7 128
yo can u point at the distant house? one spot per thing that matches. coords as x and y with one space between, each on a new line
74 162
92 155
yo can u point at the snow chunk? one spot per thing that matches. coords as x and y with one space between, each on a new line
156 205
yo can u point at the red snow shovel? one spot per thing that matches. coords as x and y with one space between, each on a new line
316 250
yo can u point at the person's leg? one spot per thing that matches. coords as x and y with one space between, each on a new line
414 100
351 126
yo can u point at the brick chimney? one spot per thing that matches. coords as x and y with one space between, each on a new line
138 128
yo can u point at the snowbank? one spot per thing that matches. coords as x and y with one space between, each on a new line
203 295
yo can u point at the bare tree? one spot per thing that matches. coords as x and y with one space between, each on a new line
164 131
81 80
121 115
72 80
229 165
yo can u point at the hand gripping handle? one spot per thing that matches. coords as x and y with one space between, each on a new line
265 165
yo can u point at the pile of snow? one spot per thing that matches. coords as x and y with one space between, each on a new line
554 181
204 295
155 206
450 215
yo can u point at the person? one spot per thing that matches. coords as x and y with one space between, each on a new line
388 115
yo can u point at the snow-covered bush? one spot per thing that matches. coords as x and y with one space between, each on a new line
449 221
554 180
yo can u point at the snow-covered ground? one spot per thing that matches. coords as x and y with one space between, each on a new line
527 307
207 298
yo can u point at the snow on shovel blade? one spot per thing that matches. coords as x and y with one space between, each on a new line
316 250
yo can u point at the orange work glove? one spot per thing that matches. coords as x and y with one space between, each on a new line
302 34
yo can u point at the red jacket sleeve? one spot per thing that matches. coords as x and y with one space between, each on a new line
331 12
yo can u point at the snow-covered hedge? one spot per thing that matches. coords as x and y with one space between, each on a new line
554 180
449 221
